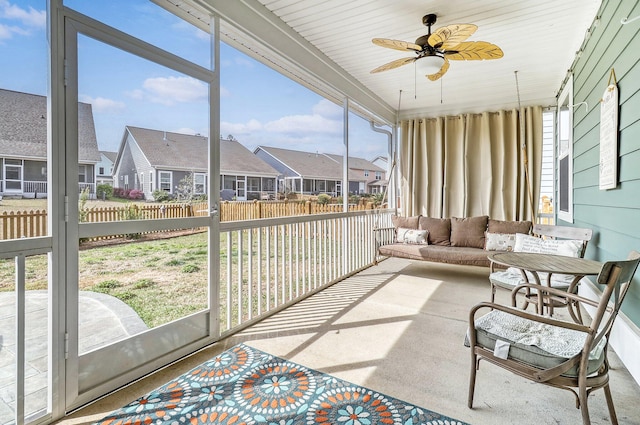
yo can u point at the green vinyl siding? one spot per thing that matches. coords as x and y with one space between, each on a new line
614 214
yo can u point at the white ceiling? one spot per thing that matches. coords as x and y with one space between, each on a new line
539 38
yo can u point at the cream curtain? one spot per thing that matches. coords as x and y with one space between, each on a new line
471 165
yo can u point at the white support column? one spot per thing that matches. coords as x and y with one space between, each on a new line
345 185
56 206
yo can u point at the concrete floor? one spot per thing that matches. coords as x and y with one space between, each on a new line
398 328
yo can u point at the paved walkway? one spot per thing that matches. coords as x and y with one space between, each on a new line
103 319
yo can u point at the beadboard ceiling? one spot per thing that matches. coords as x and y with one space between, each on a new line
539 39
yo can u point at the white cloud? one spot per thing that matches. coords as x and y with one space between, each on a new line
304 124
101 104
237 129
32 17
327 108
171 90
135 94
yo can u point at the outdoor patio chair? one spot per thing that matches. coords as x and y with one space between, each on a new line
550 351
510 278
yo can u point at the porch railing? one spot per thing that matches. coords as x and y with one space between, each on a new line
272 263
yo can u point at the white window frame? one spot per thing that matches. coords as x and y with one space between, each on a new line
142 182
160 183
82 171
150 181
564 151
203 183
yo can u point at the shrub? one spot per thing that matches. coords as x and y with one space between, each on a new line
136 194
160 195
131 212
104 191
323 199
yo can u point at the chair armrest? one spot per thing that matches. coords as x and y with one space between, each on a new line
546 290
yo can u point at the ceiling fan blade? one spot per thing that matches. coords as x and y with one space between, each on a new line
443 69
474 50
394 64
396 44
451 35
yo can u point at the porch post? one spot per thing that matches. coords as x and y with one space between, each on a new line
345 186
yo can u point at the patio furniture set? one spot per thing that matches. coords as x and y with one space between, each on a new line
540 265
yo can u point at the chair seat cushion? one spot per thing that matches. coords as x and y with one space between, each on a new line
537 344
512 277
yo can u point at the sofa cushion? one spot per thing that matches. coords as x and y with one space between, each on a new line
503 226
566 247
439 230
405 222
412 236
468 231
437 253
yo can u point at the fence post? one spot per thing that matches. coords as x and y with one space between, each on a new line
307 207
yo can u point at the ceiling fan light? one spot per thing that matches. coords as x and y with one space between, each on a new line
429 64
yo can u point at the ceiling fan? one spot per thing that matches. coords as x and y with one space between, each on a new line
434 51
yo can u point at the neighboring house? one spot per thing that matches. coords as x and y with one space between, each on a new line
379 186
151 159
309 173
23 145
104 168
375 177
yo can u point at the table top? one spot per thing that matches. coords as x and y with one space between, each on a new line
548 263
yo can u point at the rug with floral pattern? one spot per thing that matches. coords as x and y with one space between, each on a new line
244 385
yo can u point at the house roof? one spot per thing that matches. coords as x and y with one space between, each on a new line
23 127
316 165
356 163
165 149
110 155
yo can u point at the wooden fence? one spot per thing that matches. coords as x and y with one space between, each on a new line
18 224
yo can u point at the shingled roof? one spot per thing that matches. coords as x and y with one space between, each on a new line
311 165
164 149
23 128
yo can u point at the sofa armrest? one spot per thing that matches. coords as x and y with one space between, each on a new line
383 236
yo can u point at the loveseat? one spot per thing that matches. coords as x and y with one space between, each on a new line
448 240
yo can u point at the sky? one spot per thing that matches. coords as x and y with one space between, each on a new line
258 105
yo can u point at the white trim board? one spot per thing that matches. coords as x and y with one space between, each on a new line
625 336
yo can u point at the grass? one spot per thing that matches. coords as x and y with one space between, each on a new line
161 280
165 279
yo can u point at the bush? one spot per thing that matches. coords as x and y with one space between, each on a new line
136 194
160 195
323 199
104 191
190 268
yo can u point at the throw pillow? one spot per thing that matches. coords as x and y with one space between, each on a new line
565 247
513 227
406 222
468 231
499 241
439 230
412 236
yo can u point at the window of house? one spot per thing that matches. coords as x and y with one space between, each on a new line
126 182
82 173
101 171
378 175
165 181
142 182
565 153
366 173
199 183
253 184
150 181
